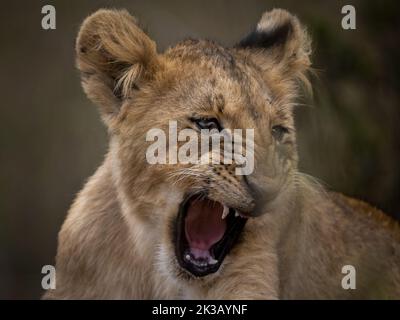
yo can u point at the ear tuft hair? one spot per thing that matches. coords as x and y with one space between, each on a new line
114 56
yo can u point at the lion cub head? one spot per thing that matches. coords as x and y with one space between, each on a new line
195 212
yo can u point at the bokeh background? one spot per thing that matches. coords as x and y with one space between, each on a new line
52 140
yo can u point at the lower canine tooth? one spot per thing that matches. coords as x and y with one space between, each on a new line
212 261
225 212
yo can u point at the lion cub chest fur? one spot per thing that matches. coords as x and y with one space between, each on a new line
128 234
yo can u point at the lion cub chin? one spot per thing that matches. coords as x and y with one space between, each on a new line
181 229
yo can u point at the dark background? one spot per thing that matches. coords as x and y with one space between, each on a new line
52 140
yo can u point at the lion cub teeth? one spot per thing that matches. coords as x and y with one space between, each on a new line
212 261
225 212
238 214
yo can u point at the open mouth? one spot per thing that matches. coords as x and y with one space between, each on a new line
205 232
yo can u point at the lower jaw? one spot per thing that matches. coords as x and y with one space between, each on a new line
200 268
217 253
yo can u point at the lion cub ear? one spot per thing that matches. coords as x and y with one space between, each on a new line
114 57
279 42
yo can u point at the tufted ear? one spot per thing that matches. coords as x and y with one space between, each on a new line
279 42
114 57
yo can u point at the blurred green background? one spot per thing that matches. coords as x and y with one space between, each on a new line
52 139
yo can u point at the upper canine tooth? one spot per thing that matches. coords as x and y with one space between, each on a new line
225 212
236 213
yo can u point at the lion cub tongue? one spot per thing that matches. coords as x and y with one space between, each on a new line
204 225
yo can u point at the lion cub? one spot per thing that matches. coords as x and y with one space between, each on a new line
179 230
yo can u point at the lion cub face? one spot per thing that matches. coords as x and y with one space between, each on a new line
197 86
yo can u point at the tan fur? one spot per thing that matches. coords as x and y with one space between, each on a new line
117 239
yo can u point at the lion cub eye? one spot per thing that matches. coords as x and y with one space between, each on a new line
279 131
207 123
